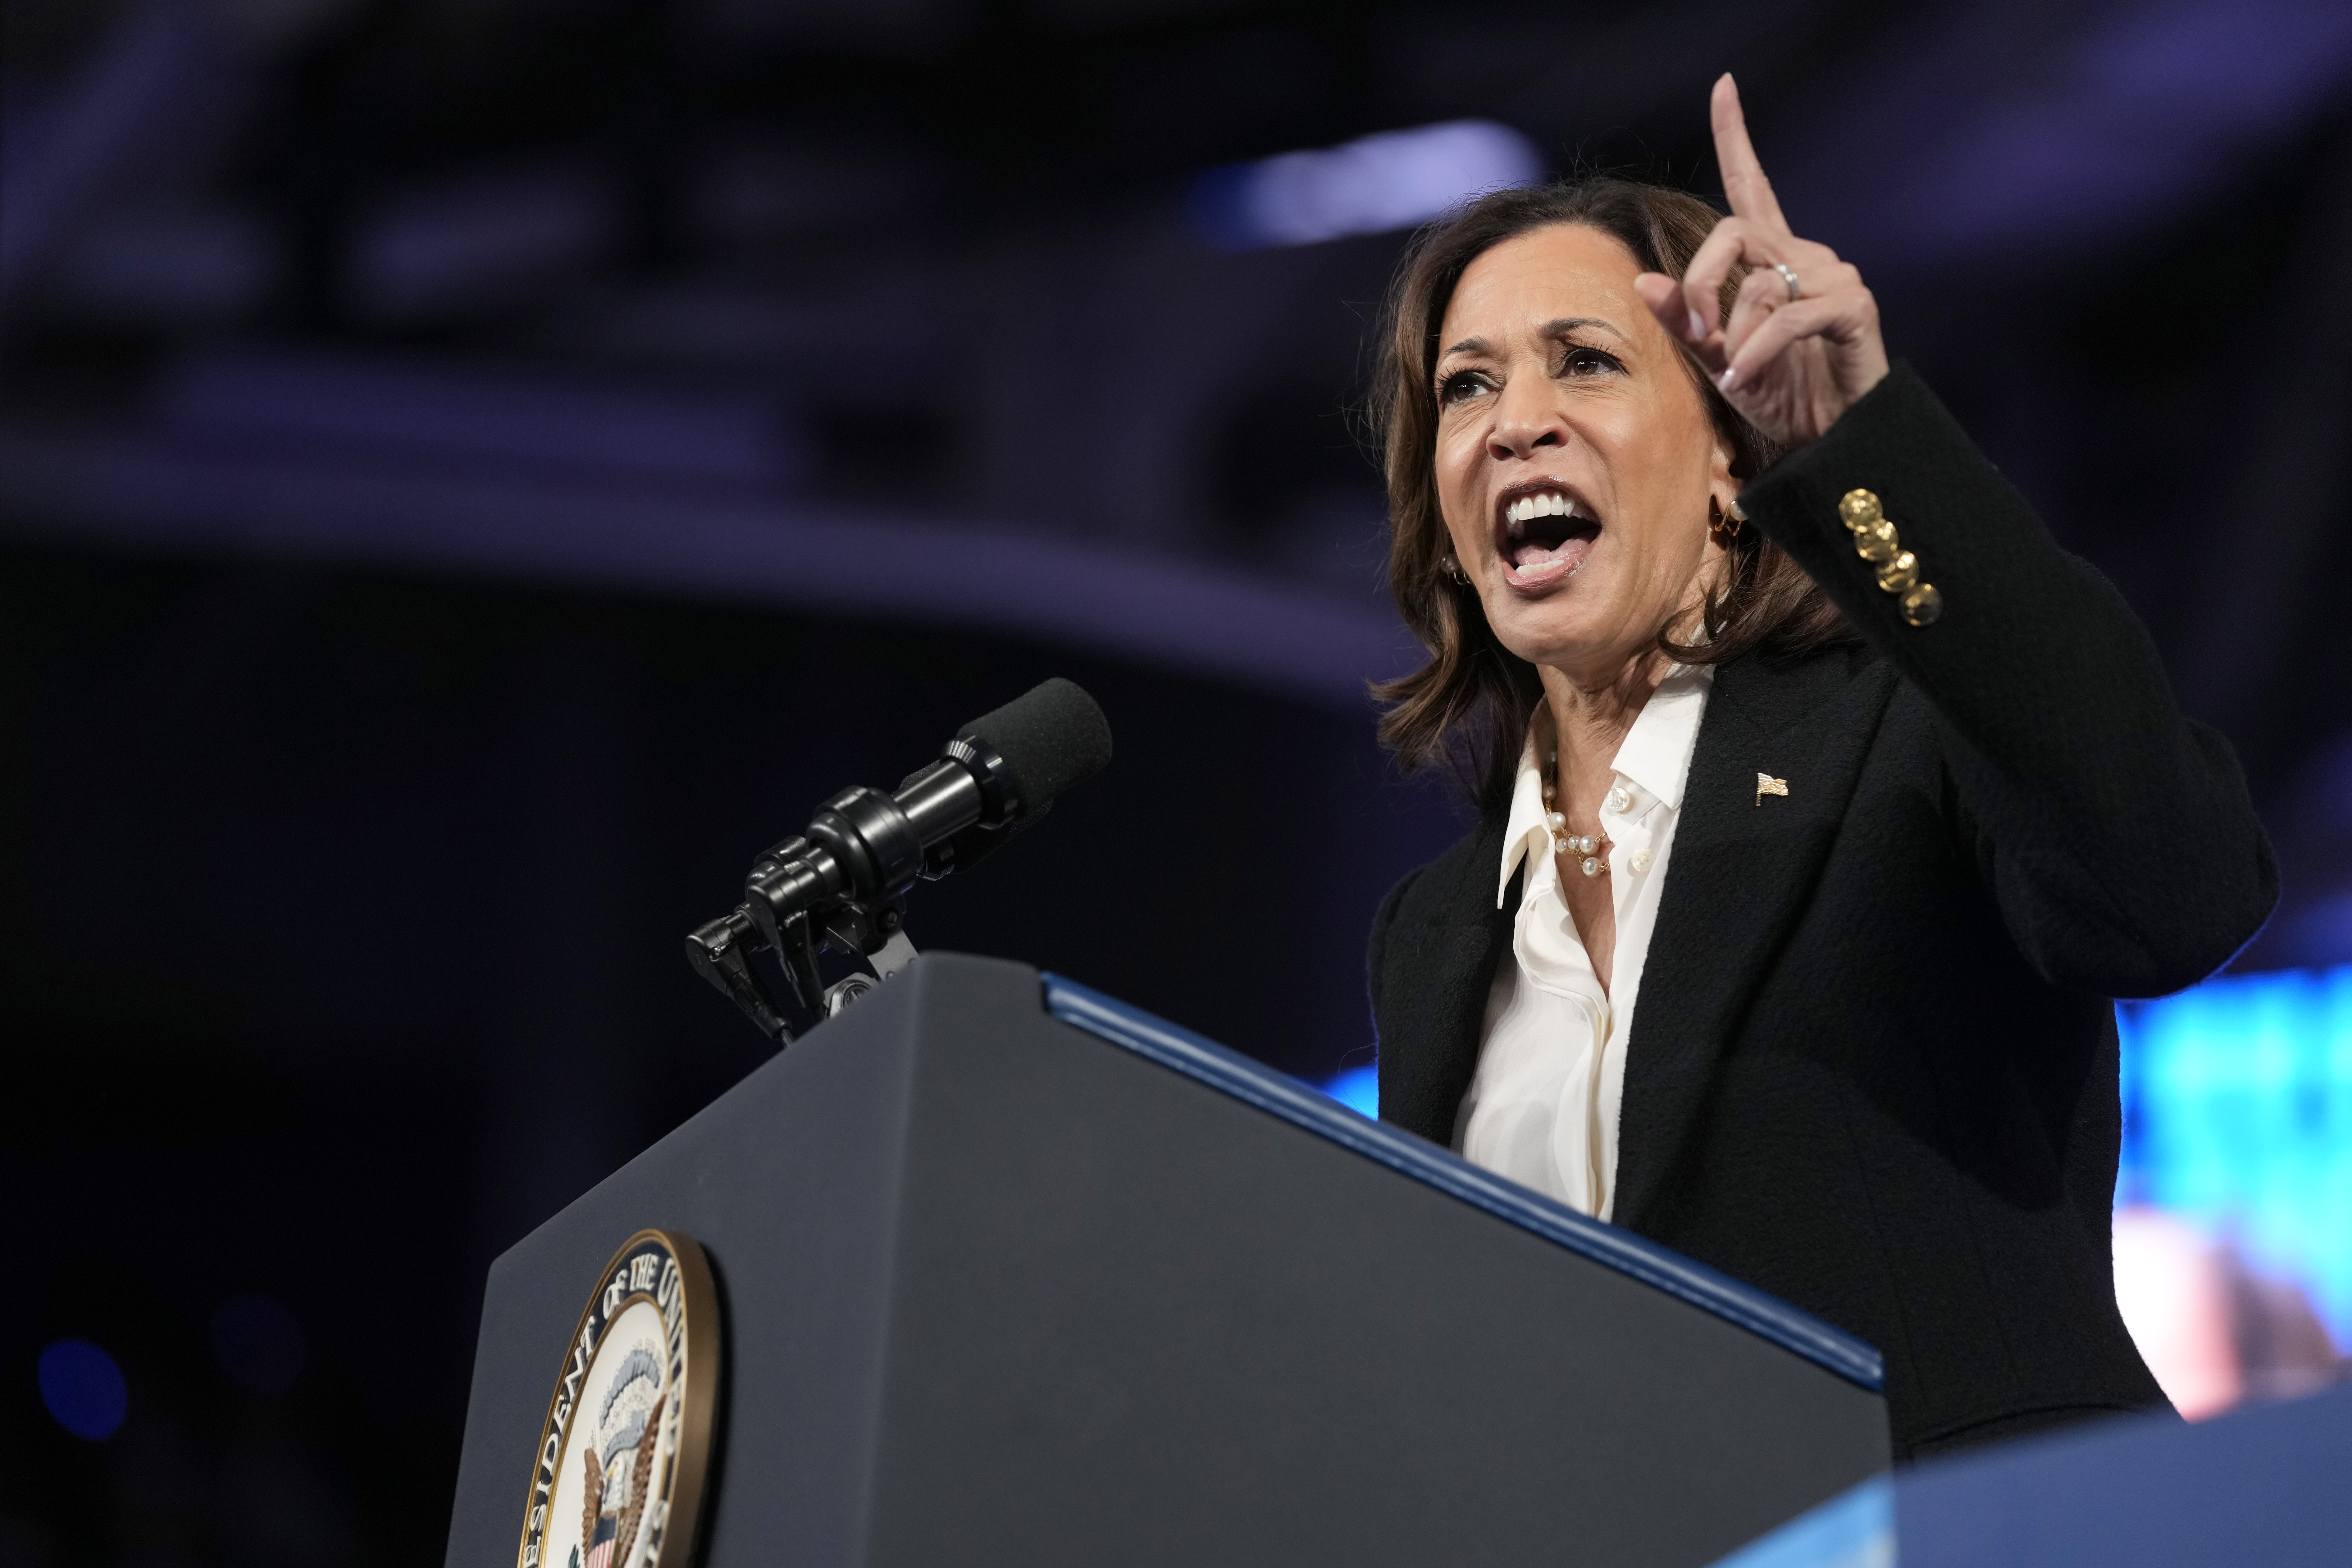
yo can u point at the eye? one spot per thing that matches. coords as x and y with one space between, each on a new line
1461 386
1581 360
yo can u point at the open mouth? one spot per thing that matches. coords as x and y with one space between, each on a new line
1543 532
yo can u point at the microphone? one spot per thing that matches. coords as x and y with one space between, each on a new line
840 883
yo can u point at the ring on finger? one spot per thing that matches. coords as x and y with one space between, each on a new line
1789 276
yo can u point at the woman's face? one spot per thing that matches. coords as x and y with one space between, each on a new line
1575 458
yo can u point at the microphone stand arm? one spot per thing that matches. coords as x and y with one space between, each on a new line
843 885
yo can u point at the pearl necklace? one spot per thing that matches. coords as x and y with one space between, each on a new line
1591 849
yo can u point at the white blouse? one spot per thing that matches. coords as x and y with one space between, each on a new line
1542 1106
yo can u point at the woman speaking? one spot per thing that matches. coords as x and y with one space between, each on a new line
1825 802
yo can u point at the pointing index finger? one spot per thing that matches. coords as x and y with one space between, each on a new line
1744 184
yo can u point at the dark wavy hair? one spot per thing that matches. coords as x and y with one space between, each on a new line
1467 710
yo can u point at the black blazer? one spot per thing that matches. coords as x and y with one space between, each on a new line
1872 1067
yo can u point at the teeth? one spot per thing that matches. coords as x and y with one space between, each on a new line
1526 509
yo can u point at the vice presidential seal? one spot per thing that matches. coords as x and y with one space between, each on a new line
617 1479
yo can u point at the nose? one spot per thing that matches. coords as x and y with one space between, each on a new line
1526 420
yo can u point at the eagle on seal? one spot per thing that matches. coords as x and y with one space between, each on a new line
611 1536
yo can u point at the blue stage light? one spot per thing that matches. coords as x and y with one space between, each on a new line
1357 1089
83 1389
2238 1116
1376 183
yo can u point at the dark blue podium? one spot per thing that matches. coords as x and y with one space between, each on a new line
1014 1273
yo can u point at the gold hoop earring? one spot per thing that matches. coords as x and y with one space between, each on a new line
1722 523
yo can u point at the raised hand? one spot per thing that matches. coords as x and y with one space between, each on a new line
1791 358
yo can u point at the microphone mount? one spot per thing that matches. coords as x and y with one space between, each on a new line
841 885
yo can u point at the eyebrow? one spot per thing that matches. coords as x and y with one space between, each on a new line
1567 324
1560 328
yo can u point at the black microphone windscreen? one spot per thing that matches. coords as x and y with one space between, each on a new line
1050 738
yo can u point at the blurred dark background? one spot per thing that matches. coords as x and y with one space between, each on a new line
473 471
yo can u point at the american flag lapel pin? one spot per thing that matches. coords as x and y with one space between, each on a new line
1767 785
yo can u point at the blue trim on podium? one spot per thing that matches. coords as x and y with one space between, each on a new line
1172 1045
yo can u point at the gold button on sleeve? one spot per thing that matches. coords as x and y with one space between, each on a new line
1922 605
1899 574
1858 510
1878 542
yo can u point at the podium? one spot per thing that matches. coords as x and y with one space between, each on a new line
1014 1273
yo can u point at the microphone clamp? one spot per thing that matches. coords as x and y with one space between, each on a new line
841 885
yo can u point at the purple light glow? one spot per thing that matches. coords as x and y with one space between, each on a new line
705 542
1371 185
2135 116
